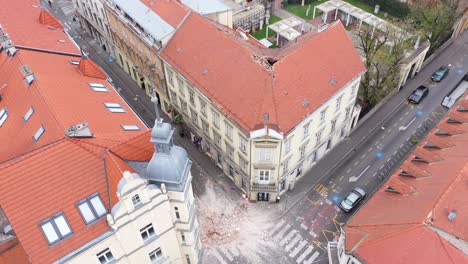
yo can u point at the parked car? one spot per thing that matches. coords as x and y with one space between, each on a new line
440 74
418 94
353 198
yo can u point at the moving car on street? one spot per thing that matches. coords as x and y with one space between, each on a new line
353 198
440 74
418 94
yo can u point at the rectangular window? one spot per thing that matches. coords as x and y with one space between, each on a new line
243 164
155 255
183 106
229 151
217 138
206 128
182 236
177 214
302 151
353 91
287 146
28 114
333 125
318 137
264 154
348 109
56 228
228 129
147 232
306 130
215 118
285 166
170 77
242 144
92 208
187 258
180 84
136 200
3 116
192 97
114 107
322 116
338 103
202 107
194 117
130 127
98 87
173 96
38 133
105 256
263 176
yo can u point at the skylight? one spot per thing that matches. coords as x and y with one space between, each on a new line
28 114
130 127
3 116
115 108
39 133
92 208
98 87
56 228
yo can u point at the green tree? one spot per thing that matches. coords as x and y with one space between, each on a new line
436 21
383 54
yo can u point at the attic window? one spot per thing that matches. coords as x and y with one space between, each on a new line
28 74
3 116
441 133
462 109
430 145
56 228
404 173
51 27
390 189
92 208
74 62
28 114
98 87
115 107
418 159
271 61
451 121
39 133
136 200
130 127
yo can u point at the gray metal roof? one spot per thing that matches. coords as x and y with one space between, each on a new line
146 18
204 7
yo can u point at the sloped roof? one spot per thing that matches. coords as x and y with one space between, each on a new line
46 18
404 222
41 178
88 68
236 76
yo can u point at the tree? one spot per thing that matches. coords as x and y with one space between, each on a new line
436 21
383 53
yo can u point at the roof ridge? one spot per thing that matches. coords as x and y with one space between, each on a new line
80 143
130 139
444 246
27 155
442 195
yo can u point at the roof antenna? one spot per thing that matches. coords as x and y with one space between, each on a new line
154 99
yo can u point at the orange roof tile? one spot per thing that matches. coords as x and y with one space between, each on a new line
250 88
14 255
115 167
452 129
439 142
45 18
458 117
90 69
426 155
173 12
398 186
389 220
413 170
138 148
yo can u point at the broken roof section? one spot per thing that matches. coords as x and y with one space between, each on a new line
427 210
259 80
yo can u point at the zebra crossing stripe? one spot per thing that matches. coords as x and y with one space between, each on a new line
299 248
277 226
304 254
227 254
281 233
292 243
311 259
218 256
288 237
234 251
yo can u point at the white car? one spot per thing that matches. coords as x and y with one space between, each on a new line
353 198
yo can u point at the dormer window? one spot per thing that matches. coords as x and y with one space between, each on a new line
136 200
3 116
56 228
114 107
92 208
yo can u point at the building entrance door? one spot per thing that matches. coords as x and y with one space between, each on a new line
263 197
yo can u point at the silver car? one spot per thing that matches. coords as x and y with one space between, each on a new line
353 198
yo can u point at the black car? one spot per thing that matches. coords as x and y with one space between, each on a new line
352 199
440 74
418 94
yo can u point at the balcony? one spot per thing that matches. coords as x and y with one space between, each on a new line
258 187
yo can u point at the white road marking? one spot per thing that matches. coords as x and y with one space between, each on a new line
299 248
281 233
218 256
277 226
304 254
311 259
363 156
234 251
354 178
293 242
227 254
312 233
303 226
288 237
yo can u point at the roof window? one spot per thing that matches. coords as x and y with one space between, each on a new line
98 87
92 208
3 116
130 127
28 114
28 74
56 228
115 107
74 62
39 133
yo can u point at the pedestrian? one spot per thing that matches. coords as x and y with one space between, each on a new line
50 3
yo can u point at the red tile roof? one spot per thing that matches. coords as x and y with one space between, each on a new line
240 81
45 18
405 223
172 12
88 68
40 179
